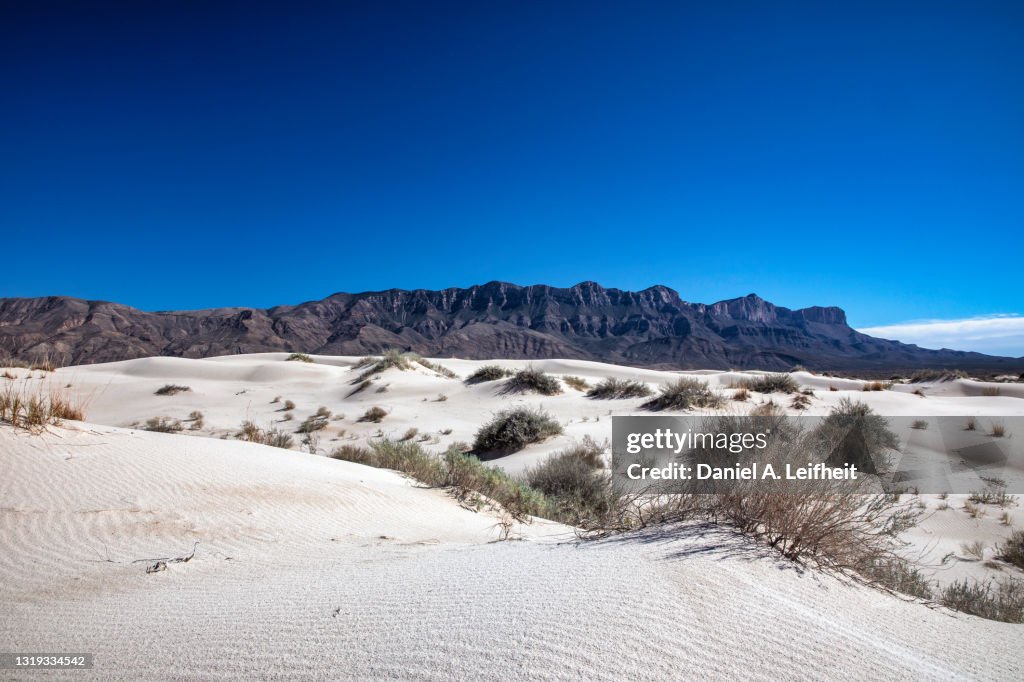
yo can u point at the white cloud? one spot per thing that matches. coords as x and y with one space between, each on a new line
992 334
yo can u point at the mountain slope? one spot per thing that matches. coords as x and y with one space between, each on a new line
653 327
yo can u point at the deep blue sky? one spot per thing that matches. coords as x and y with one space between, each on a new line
176 155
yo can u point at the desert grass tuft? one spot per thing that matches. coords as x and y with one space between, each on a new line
616 389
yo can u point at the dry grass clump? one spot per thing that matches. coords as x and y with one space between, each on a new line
37 408
196 417
434 367
896 573
531 379
163 425
488 373
392 359
254 434
374 414
770 383
578 383
991 391
410 433
684 393
919 424
288 406
800 402
997 430
513 429
299 357
876 386
741 395
1012 549
615 389
936 375
971 424
172 389
315 422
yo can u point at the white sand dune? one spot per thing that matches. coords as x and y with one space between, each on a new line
312 568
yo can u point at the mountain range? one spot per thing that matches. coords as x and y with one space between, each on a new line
651 328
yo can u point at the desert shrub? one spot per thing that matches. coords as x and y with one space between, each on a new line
488 373
360 387
172 389
163 425
288 406
936 375
354 453
919 424
800 402
854 433
313 423
392 359
410 433
374 414
1012 549
994 494
997 430
441 397
684 393
971 424
513 429
196 417
299 357
991 391
572 481
741 394
434 367
1002 600
578 383
899 575
612 388
875 386
771 383
531 379
274 437
323 412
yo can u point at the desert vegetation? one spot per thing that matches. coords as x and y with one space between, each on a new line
936 375
533 380
299 357
172 389
254 434
375 415
770 383
683 394
37 408
513 429
612 388
577 383
488 373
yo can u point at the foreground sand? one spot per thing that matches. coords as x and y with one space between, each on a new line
313 568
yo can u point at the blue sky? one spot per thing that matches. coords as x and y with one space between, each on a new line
178 155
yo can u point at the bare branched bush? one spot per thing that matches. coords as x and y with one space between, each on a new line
1002 600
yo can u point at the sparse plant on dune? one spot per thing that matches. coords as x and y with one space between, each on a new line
488 373
172 389
936 375
163 425
374 414
612 388
37 408
577 383
299 357
683 394
530 379
770 383
254 434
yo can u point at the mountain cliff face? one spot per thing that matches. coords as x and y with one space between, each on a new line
653 327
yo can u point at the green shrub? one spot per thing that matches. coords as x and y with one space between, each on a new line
512 430
612 388
684 393
299 357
